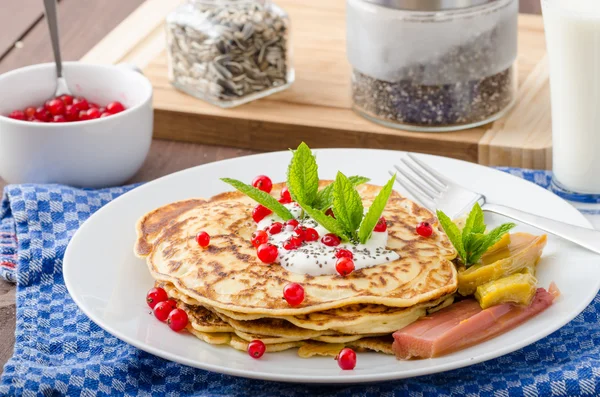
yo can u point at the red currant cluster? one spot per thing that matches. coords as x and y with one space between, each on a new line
66 108
165 309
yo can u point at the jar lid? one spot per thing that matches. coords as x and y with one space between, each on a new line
429 5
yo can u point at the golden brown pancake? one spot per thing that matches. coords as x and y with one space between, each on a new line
228 276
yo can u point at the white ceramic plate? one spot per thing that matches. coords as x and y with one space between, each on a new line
109 283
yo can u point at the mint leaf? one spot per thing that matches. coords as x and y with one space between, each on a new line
303 176
375 210
347 205
261 197
325 195
453 234
474 224
490 239
329 223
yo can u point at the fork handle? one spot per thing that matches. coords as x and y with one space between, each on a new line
587 238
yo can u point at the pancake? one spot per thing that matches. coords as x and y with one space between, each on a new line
227 275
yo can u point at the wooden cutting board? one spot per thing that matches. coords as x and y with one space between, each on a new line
316 109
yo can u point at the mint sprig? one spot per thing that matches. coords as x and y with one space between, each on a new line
375 210
325 196
331 224
347 205
303 176
261 197
472 242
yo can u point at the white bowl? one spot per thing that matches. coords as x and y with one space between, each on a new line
94 153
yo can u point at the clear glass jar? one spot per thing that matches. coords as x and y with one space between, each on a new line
229 52
432 65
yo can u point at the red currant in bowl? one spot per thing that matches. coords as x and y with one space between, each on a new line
91 153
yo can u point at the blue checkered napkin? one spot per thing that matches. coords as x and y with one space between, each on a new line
59 351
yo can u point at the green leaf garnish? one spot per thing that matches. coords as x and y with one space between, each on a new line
261 197
375 210
474 224
453 233
329 223
303 176
325 195
473 242
347 205
491 238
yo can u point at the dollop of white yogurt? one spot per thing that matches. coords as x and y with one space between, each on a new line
315 258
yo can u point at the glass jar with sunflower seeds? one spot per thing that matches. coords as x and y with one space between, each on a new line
229 52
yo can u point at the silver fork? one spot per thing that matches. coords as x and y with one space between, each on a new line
435 191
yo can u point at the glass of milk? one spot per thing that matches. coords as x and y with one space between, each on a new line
573 42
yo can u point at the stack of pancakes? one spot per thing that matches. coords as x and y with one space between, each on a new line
232 298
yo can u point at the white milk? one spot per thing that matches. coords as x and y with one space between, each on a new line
573 40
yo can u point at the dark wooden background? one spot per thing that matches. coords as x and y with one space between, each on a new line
83 23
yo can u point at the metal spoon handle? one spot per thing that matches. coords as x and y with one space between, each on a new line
52 20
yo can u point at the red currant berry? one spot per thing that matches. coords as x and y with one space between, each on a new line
203 239
17 115
276 228
94 105
381 225
115 107
293 294
155 296
267 253
292 243
59 118
424 229
66 99
105 114
55 107
162 309
71 113
81 103
346 358
263 182
300 231
30 113
331 240
291 224
258 238
260 212
177 320
344 266
256 348
344 253
311 234
42 114
83 115
286 197
93 113
330 213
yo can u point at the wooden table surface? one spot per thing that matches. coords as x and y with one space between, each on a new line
24 41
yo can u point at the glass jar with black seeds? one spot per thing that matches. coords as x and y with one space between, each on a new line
432 65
